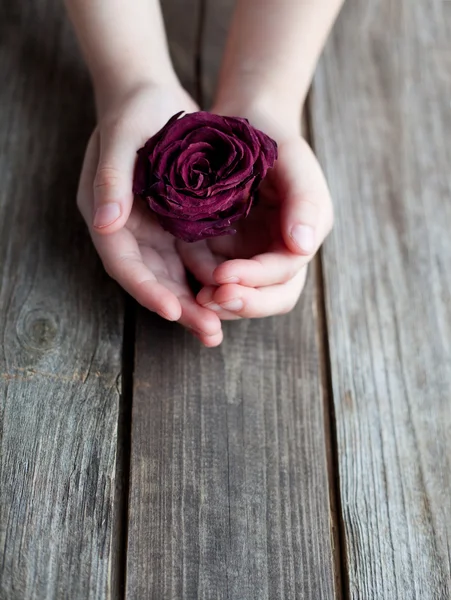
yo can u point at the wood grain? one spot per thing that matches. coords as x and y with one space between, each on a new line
60 325
217 19
382 124
182 20
229 493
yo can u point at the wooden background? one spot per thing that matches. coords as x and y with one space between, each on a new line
307 457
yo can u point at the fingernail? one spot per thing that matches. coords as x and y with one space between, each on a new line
107 214
233 305
304 237
230 280
212 306
167 316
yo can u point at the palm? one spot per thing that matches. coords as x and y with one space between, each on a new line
144 259
156 249
261 270
139 254
259 233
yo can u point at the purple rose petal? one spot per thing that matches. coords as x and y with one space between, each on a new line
200 173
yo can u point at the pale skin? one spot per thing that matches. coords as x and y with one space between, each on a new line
261 270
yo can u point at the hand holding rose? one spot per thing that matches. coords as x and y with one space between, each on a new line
260 271
266 71
134 248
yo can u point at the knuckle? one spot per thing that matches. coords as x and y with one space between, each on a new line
114 124
310 200
292 271
107 178
310 197
130 259
230 290
128 263
308 208
294 293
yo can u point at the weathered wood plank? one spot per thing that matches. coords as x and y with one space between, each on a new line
60 325
382 124
217 19
182 20
229 494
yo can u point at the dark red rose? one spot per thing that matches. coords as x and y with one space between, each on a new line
199 173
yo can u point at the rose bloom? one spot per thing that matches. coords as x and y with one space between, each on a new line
200 173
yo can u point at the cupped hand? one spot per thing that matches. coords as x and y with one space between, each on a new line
261 270
134 249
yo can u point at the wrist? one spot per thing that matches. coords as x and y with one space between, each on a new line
262 93
124 44
113 89
266 106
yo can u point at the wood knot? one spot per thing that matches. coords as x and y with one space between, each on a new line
38 330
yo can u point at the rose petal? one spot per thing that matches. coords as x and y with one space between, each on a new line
160 164
152 142
164 200
200 173
140 177
191 154
268 154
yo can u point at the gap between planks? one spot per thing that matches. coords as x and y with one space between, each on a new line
337 523
120 529
198 65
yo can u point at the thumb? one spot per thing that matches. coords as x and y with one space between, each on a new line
113 182
307 213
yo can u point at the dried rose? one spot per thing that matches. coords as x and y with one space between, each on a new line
199 173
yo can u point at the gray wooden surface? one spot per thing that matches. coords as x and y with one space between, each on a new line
382 122
60 326
182 20
217 16
228 493
237 454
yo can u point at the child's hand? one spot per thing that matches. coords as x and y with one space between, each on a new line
261 270
132 245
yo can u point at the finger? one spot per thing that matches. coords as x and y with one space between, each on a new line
199 260
123 262
120 252
85 195
258 302
306 212
198 319
113 181
211 341
193 316
261 270
206 298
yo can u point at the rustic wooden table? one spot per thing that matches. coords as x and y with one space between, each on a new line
309 457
